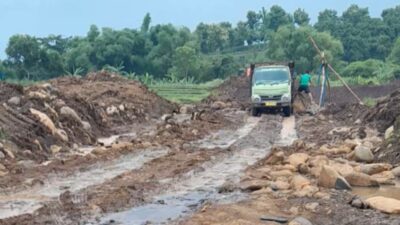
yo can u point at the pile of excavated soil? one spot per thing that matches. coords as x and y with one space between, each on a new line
234 90
41 120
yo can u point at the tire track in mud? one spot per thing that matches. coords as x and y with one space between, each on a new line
14 204
246 146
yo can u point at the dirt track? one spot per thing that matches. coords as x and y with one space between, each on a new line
206 165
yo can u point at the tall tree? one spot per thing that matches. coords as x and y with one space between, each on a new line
394 56
146 23
301 17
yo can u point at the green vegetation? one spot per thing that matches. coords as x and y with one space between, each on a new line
362 48
370 102
184 92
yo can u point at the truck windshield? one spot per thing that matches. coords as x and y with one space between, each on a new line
270 76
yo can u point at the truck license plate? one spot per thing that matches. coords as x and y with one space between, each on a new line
270 103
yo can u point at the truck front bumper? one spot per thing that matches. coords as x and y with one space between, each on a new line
271 104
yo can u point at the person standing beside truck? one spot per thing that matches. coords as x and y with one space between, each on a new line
305 83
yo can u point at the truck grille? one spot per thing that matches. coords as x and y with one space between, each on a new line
269 98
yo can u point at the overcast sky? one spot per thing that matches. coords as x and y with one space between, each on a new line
73 17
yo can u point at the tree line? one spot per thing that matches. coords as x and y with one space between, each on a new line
356 43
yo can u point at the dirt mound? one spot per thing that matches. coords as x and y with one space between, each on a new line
41 120
235 89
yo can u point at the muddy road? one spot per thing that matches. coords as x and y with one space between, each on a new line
152 184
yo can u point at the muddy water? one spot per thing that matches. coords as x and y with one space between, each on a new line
247 145
13 204
392 191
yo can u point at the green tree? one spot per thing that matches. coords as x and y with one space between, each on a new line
93 33
146 23
391 17
328 20
394 56
276 18
301 18
184 62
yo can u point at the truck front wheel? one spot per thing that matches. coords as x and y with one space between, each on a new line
254 111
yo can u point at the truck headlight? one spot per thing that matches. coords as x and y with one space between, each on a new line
256 98
286 98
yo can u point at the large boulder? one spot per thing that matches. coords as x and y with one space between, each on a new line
363 153
329 178
44 120
70 113
361 180
386 205
375 168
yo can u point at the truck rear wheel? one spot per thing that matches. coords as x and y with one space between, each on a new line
254 111
287 111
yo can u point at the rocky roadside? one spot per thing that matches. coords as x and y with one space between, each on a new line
313 180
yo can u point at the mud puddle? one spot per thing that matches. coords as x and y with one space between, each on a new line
188 193
389 191
13 204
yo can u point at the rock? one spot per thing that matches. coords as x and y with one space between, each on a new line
14 100
218 105
2 156
281 173
274 219
297 159
352 143
375 168
357 202
389 132
386 177
329 178
186 109
300 221
275 158
62 135
299 182
361 180
86 125
322 195
396 171
70 113
386 205
343 169
307 191
38 95
55 149
3 168
303 169
312 206
227 187
363 153
9 153
279 185
44 120
254 185
121 107
112 110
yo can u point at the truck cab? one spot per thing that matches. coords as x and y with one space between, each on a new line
271 89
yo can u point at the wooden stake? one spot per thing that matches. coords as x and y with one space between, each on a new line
334 71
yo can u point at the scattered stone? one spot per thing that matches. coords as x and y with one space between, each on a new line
279 185
254 185
343 169
361 180
375 168
2 156
312 206
2 168
357 202
322 195
386 205
384 178
329 178
363 153
218 105
307 191
297 159
303 169
227 187
70 113
44 120
186 109
396 171
9 153
112 110
277 219
62 135
55 149
121 107
38 95
389 132
275 158
14 100
352 143
300 221
86 125
299 182
281 173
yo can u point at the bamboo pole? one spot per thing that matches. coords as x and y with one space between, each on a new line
334 71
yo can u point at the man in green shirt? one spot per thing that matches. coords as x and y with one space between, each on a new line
305 82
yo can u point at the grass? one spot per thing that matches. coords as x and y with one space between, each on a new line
370 102
23 82
184 92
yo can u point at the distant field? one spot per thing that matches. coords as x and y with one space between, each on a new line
183 92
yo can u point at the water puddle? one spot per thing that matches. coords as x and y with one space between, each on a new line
392 191
248 144
29 201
